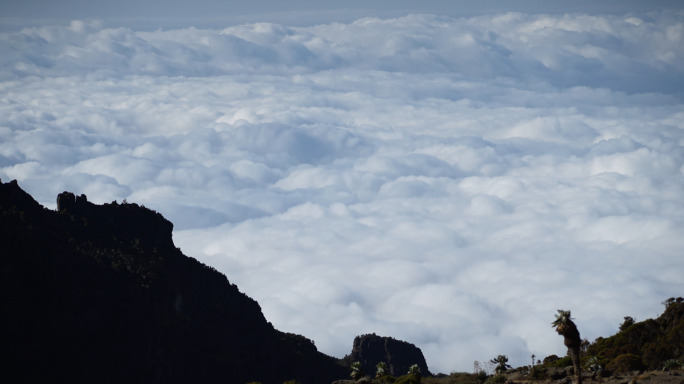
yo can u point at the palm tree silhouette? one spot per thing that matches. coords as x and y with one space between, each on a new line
415 371
501 365
567 328
381 369
357 371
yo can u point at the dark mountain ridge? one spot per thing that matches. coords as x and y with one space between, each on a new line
99 293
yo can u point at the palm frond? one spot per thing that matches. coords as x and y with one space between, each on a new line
414 370
380 369
357 371
562 318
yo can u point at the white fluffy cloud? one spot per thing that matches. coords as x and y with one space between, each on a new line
449 182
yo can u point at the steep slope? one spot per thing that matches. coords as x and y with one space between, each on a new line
646 344
99 293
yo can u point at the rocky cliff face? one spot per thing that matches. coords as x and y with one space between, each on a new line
399 355
99 293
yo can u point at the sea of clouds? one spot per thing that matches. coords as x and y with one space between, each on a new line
448 182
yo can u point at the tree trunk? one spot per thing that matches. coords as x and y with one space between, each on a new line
575 356
572 340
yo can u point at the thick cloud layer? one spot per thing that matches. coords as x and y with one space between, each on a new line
449 182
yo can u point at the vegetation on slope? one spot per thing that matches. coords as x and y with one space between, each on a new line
644 345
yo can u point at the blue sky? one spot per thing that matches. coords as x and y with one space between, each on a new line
445 173
217 14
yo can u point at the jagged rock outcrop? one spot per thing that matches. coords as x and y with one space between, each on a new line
99 293
128 220
399 355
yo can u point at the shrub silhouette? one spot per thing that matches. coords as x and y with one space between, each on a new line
496 379
626 363
629 321
386 379
408 379
672 364
593 364
481 376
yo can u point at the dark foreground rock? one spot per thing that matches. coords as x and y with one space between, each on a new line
100 294
652 377
399 355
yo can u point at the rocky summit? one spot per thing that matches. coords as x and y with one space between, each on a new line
399 355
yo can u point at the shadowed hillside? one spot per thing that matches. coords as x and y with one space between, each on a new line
646 344
100 294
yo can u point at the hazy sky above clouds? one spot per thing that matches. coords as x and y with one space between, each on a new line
446 179
165 14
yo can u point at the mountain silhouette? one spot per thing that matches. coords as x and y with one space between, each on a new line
99 294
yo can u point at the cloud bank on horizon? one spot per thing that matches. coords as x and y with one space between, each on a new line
449 182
